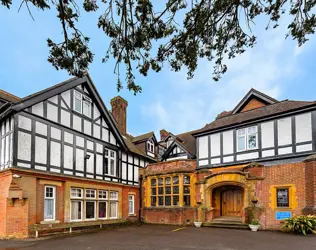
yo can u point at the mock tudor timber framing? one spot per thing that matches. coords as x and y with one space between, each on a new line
130 160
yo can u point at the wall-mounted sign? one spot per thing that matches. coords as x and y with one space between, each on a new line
283 215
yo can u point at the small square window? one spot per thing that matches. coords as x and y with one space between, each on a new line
90 193
103 194
76 193
113 195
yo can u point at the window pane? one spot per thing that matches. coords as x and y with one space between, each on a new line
175 180
113 209
49 192
102 209
241 143
168 181
241 132
186 179
102 194
153 201
168 201
113 195
112 168
252 141
160 181
160 190
153 182
175 201
186 200
90 193
175 190
160 201
153 191
186 189
78 104
168 190
252 130
76 210
90 209
49 209
283 197
86 108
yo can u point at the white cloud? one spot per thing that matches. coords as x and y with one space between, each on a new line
190 104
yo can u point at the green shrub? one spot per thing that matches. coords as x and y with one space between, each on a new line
302 224
255 222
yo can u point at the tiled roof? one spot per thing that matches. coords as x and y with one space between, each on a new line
266 111
8 97
143 137
188 141
133 148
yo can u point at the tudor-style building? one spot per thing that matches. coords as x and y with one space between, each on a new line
66 161
254 161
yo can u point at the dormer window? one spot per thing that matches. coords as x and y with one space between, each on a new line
247 138
82 104
150 146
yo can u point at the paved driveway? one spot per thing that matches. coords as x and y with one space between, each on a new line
169 238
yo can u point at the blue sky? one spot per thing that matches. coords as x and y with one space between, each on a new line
275 66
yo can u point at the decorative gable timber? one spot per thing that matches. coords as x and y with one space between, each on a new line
182 151
56 104
252 100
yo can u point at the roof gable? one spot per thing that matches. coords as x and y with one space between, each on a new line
252 100
175 144
144 137
89 88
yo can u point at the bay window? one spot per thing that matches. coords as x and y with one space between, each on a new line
247 138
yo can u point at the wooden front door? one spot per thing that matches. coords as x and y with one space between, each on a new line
232 202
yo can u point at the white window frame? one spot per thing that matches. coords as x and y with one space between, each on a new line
102 191
95 209
131 206
106 209
81 209
246 138
54 203
111 155
150 146
83 99
113 200
94 191
76 197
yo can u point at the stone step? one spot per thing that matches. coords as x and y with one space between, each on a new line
234 225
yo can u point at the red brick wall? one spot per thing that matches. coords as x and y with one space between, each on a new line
174 216
5 180
17 218
310 186
284 174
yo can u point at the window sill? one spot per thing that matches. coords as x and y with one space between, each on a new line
50 222
132 215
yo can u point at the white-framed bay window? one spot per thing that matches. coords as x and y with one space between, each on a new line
131 204
82 104
113 205
110 162
247 138
50 203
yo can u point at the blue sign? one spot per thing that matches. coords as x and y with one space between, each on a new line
283 215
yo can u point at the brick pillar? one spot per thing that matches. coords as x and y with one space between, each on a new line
119 106
310 185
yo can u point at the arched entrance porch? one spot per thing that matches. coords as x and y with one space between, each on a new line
227 194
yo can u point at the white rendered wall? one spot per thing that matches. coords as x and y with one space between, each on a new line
215 144
267 134
303 127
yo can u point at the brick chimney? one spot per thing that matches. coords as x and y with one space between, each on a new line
163 134
119 106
